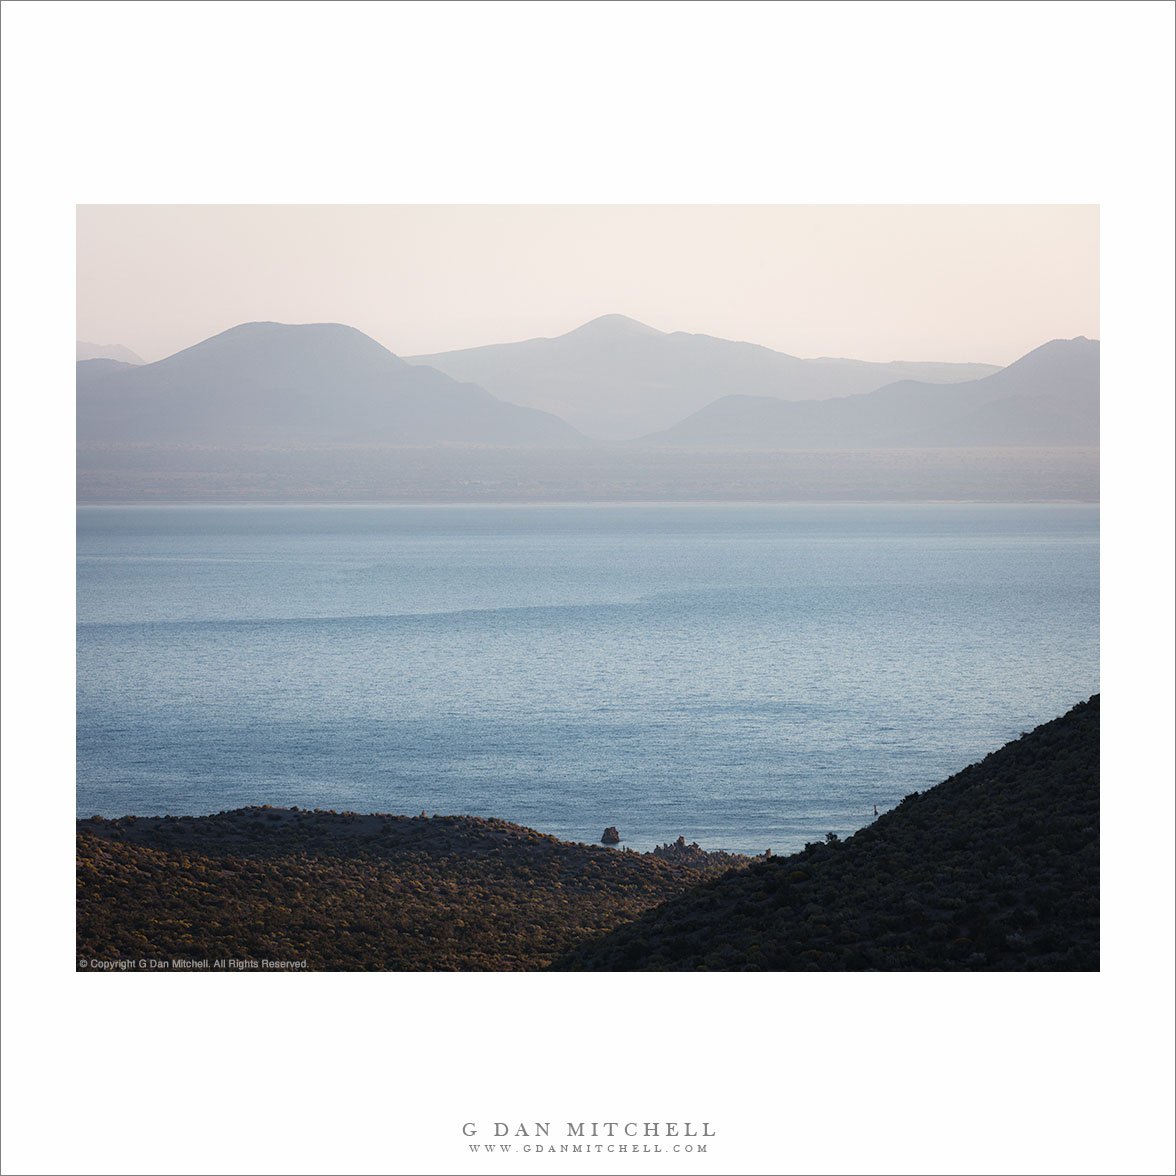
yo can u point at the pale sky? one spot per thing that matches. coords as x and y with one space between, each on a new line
879 282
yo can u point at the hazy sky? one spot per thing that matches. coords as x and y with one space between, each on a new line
949 282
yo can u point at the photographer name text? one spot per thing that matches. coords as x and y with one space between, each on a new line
191 965
610 1135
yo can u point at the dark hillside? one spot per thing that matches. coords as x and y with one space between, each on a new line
351 892
995 869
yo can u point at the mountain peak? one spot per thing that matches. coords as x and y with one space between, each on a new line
112 351
1079 351
612 326
277 383
290 345
272 329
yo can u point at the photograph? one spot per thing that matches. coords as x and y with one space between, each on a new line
621 647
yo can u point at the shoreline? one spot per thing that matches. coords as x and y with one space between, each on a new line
515 502
359 828
996 868
340 891
178 474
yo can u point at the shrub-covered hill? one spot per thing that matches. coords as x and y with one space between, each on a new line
997 868
349 892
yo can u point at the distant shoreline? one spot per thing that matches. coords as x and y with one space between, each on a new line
413 502
375 475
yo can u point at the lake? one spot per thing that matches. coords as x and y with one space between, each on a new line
748 676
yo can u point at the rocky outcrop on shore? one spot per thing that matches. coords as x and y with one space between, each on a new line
693 855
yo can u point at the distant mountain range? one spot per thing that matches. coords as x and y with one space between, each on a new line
273 384
616 379
106 351
1048 397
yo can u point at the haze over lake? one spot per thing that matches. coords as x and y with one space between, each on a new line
743 675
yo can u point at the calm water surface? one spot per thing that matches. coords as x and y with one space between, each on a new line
748 676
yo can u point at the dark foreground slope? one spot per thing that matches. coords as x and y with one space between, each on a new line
347 892
997 868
